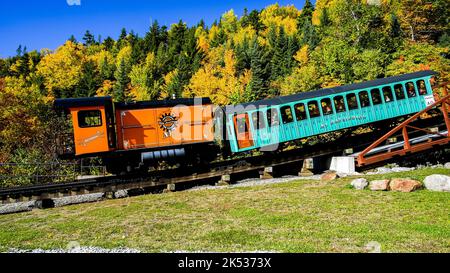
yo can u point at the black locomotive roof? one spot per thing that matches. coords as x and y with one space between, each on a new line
80 102
107 101
161 103
339 89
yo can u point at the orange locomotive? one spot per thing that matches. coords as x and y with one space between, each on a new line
131 135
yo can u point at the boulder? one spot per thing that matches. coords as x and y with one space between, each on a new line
402 169
404 185
437 182
447 165
383 170
379 185
329 176
360 183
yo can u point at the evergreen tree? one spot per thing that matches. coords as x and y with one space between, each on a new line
88 38
309 36
258 63
152 38
89 82
306 14
121 42
122 81
72 39
324 18
109 43
19 51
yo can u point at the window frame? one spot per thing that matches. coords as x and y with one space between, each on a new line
282 114
418 87
270 122
297 116
83 124
378 91
317 106
383 91
329 104
343 103
356 100
360 100
260 120
402 89
414 87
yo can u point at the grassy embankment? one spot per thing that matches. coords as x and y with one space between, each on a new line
301 216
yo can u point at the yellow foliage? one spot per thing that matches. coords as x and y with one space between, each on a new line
246 33
62 69
106 89
285 17
168 80
125 55
320 5
302 55
218 82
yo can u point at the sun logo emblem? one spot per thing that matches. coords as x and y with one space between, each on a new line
168 123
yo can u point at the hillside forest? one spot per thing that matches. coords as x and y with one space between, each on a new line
275 51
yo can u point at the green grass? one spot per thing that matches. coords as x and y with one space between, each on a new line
300 216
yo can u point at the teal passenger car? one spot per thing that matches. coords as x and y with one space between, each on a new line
269 122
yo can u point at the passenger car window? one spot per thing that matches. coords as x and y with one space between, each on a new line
364 99
352 102
89 118
399 93
258 120
313 109
422 87
286 114
339 104
376 97
272 117
300 112
327 108
410 89
387 94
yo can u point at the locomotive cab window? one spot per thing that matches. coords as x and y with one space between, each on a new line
352 102
364 99
272 117
410 89
399 93
286 114
376 97
258 120
300 112
387 94
90 118
327 108
313 108
339 104
422 87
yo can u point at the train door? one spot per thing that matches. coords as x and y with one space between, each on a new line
242 129
90 130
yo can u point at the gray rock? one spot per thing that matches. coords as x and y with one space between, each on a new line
437 182
447 165
17 207
121 194
402 169
77 199
383 170
360 183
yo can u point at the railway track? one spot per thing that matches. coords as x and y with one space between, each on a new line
288 162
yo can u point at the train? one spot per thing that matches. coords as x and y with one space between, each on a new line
133 136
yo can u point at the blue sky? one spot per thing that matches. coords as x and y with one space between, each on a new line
48 23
